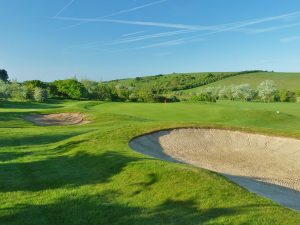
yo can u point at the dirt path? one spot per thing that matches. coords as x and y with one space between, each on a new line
269 166
58 119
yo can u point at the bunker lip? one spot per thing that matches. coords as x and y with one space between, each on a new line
57 119
266 165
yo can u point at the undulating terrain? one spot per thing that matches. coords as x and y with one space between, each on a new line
87 174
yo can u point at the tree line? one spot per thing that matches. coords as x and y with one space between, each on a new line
266 91
80 90
36 90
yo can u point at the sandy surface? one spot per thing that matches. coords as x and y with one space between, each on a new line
59 119
266 165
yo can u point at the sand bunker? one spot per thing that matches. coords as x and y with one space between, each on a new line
269 166
59 119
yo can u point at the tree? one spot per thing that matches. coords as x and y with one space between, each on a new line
70 88
4 90
145 94
31 85
209 94
242 92
3 75
266 90
92 88
222 93
286 96
17 91
40 94
104 92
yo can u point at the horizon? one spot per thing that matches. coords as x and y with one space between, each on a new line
111 40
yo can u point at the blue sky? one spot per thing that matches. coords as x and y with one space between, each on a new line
110 39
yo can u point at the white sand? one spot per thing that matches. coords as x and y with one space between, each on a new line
58 119
266 165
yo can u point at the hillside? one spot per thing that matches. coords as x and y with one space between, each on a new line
175 81
289 81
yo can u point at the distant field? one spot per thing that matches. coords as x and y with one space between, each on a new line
289 81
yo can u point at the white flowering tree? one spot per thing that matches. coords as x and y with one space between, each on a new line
266 90
40 94
4 90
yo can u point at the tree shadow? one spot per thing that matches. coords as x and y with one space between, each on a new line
63 171
30 105
39 139
146 185
101 209
8 156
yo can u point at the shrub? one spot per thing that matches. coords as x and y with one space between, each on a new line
4 90
17 91
267 90
40 94
30 86
242 92
69 88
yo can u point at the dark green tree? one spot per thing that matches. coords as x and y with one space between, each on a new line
3 75
69 88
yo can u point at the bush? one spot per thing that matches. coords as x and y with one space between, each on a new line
31 85
4 90
69 88
92 88
242 92
40 94
267 90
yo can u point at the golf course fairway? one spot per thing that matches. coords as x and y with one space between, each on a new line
88 174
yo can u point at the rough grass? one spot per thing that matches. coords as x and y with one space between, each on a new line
88 175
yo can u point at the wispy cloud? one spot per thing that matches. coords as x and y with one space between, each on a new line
244 26
134 33
163 53
140 23
146 37
270 29
290 39
64 8
118 13
216 28
169 43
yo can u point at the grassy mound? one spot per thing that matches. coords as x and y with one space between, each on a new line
88 174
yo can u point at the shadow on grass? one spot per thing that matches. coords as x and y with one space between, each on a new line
7 156
63 171
39 139
100 209
10 117
53 104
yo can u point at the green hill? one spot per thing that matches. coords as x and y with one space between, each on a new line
289 81
176 81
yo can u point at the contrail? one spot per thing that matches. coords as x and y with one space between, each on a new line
217 28
64 8
141 23
118 13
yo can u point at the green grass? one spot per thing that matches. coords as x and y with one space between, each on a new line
289 81
88 175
